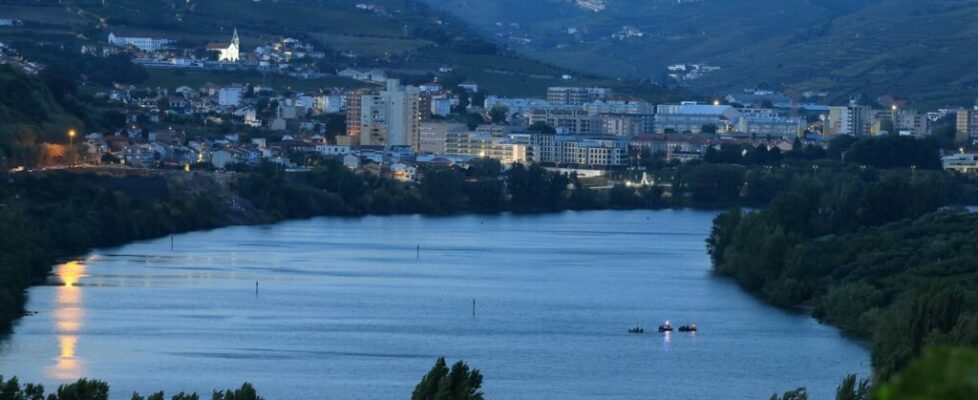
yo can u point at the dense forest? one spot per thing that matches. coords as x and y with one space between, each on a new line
876 253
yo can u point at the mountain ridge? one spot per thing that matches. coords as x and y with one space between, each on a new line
848 48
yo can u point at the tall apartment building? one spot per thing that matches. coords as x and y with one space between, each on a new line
576 96
391 117
853 120
967 125
353 111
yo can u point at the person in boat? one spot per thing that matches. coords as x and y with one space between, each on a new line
636 329
688 328
667 327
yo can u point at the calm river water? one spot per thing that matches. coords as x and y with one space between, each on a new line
350 309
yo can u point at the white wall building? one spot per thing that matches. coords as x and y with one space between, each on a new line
229 96
143 43
392 117
964 162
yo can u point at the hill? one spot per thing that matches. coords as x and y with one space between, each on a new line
922 50
403 36
29 116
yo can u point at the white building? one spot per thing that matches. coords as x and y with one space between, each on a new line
594 152
143 43
515 105
964 162
485 145
333 150
691 117
229 96
392 117
227 52
371 75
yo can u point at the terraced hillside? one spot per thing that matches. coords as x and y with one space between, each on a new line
400 35
918 49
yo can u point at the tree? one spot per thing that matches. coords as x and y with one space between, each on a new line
499 114
445 187
84 389
246 392
850 389
11 390
839 145
944 373
797 394
440 383
541 127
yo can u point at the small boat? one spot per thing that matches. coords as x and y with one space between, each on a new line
636 329
687 328
666 327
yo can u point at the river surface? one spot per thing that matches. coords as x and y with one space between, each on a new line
351 309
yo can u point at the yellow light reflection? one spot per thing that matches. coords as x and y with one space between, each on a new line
70 272
68 316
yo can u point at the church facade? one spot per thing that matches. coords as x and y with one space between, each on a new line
227 52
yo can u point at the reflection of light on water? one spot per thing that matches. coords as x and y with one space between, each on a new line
68 367
70 272
68 316
667 338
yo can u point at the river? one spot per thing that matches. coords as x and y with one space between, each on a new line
352 309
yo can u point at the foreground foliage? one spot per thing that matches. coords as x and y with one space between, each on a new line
90 389
458 383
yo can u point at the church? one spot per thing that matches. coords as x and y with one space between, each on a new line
228 52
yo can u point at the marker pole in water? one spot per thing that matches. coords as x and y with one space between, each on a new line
473 308
417 256
171 242
256 288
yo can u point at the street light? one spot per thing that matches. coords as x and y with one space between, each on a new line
71 146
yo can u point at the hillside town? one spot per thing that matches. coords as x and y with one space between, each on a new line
390 127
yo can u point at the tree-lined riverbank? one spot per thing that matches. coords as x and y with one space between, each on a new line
873 254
